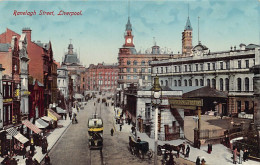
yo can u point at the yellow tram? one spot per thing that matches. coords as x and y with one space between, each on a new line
95 132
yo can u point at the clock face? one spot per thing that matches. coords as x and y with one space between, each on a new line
128 40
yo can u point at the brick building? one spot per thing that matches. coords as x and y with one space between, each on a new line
101 77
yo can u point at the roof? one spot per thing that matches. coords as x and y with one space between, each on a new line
128 26
252 46
71 58
4 47
70 46
188 24
31 126
46 118
39 84
205 92
53 115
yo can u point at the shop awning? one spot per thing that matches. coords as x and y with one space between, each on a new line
13 132
53 115
60 110
31 126
41 124
46 118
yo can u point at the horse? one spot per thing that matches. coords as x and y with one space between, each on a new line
171 148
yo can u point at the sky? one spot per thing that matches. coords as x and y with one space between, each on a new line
98 33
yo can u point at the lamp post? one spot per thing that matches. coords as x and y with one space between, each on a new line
156 101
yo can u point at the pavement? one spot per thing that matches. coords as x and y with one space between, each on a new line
52 139
220 154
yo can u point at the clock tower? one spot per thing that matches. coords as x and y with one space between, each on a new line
128 35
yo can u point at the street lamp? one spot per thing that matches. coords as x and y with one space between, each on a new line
156 93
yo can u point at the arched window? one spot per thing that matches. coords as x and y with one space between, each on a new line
166 82
227 84
128 62
221 84
239 84
196 82
175 82
208 82
185 83
201 82
179 82
247 84
135 62
214 83
143 63
190 82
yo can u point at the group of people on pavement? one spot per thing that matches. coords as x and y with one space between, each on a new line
200 162
243 155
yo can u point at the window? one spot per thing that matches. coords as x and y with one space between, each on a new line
128 70
134 69
135 62
197 67
166 82
246 84
128 62
201 67
201 82
190 82
208 66
221 84
221 65
175 68
196 82
246 106
143 62
143 70
214 83
157 70
227 84
179 82
185 83
161 69
135 77
175 82
149 70
161 82
208 82
166 69
239 64
149 77
185 68
239 84
227 65
149 62
179 68
190 69
247 63
238 106
213 66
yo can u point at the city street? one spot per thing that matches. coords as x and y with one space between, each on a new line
72 148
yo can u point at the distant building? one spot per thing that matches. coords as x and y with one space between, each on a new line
101 77
63 80
72 62
227 71
1 95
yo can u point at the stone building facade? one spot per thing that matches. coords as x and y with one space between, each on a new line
63 80
227 71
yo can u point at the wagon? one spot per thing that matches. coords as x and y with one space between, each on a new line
140 149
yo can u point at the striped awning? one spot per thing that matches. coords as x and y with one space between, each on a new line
13 132
41 124
31 126
53 115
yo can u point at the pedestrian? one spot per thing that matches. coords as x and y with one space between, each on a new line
244 155
133 129
241 153
247 154
112 131
203 161
187 151
199 144
70 115
47 159
198 161
120 127
29 161
32 149
235 156
183 148
13 161
171 160
23 151
209 148
138 139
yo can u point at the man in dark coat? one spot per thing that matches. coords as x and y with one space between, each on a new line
47 160
112 131
32 148
29 161
198 161
187 151
44 145
70 115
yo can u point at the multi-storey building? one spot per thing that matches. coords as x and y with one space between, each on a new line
227 71
74 67
101 77
1 96
63 80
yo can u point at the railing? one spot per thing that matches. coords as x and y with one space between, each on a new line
210 134
172 133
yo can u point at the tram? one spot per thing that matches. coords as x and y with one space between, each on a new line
95 132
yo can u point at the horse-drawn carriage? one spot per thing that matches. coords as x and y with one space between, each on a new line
140 149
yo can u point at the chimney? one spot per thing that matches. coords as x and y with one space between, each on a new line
28 31
242 46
